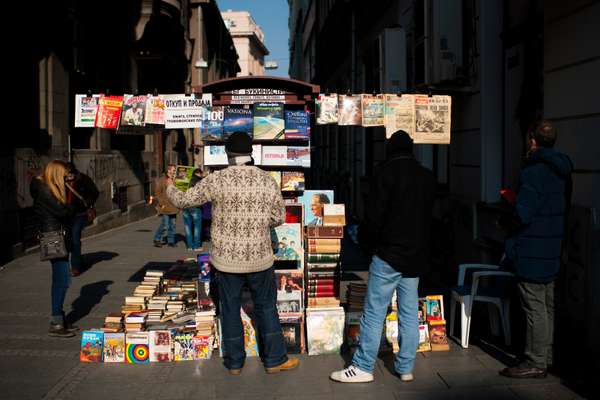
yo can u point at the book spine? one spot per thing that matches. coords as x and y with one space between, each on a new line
322 258
324 242
323 301
330 249
334 232
321 281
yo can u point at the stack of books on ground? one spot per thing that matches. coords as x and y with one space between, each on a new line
355 302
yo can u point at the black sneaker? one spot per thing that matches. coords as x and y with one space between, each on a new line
58 330
158 243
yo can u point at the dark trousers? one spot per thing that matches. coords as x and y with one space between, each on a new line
61 280
264 295
537 300
79 223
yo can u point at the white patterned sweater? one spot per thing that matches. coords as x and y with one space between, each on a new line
246 204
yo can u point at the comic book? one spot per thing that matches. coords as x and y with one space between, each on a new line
183 347
91 346
372 109
114 347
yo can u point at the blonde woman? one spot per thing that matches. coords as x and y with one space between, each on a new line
50 205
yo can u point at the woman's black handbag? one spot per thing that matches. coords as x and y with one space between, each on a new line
52 245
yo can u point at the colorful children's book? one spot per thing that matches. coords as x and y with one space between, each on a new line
424 342
114 347
437 334
161 349
183 347
203 346
435 308
137 348
237 118
297 124
269 123
91 346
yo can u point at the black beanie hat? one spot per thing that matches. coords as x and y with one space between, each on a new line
399 142
239 144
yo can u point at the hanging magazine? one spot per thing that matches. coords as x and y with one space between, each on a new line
432 119
134 109
350 110
327 109
155 110
182 111
372 109
85 110
109 111
399 114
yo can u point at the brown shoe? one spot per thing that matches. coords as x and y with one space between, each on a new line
291 363
235 371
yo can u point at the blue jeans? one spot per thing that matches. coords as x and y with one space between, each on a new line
264 295
166 222
79 223
192 224
383 280
61 280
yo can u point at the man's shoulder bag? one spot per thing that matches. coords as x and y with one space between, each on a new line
90 210
52 245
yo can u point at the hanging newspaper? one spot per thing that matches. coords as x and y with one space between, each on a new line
155 111
432 119
109 111
327 109
85 110
183 111
134 109
350 110
399 114
372 109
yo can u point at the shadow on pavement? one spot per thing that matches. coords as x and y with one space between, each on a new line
90 259
90 295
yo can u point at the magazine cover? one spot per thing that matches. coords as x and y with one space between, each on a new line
292 181
274 155
137 348
372 109
399 114
327 109
289 302
286 240
211 126
435 308
291 327
183 111
134 108
297 124
183 348
114 347
183 176
109 111
160 346
85 110
215 155
268 121
155 110
437 334
203 346
350 110
294 213
422 312
432 119
424 344
324 330
313 201
91 346
298 156
289 280
237 118
277 176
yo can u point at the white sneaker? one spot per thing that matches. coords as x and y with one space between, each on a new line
407 377
351 375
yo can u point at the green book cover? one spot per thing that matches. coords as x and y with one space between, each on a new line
183 176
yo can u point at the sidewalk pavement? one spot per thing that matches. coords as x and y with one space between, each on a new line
34 366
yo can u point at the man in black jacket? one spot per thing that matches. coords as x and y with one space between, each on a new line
396 231
82 194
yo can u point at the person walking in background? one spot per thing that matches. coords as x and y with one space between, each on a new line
533 248
396 231
246 203
55 214
192 218
167 212
82 194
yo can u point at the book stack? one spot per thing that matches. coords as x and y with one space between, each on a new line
113 322
322 265
135 321
355 301
133 304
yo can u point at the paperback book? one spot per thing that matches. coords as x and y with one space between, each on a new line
297 124
91 346
137 348
183 347
114 347
269 121
161 346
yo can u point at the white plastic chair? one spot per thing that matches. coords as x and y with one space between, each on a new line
466 295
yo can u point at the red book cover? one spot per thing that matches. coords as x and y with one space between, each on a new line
109 111
322 294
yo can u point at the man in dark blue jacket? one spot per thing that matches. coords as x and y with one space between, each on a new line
533 249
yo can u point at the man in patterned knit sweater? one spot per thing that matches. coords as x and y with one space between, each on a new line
246 204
